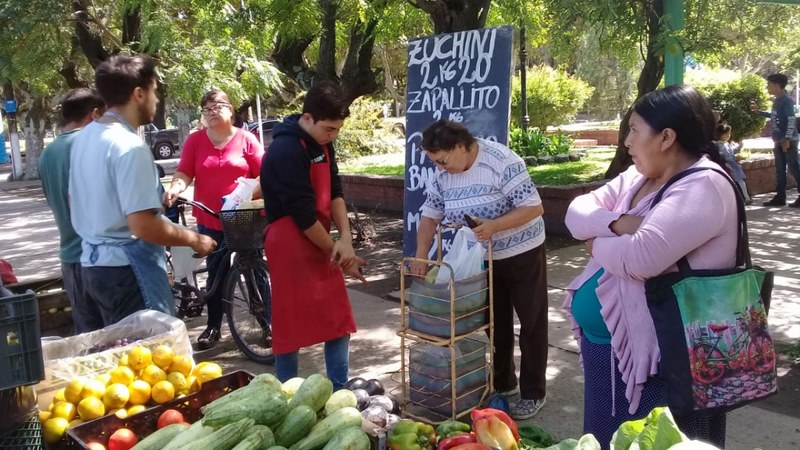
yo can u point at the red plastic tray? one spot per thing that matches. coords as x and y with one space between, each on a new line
144 423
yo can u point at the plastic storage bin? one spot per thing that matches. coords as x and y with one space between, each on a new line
26 437
429 306
20 341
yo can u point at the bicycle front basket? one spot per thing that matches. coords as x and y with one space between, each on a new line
244 228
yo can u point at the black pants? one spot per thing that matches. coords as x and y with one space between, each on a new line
520 283
116 291
214 260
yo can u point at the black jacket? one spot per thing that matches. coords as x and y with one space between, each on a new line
285 179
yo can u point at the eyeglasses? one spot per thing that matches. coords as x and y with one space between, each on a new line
440 162
215 109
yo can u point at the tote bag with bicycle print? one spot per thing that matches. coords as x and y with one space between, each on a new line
716 350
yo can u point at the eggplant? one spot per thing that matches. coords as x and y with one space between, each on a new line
374 387
356 383
362 397
382 401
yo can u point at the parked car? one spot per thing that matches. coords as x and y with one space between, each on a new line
266 126
163 143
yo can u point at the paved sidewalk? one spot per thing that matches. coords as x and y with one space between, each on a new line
29 240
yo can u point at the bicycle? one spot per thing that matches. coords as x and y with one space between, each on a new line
242 280
709 361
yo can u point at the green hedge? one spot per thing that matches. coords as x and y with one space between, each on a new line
732 99
554 97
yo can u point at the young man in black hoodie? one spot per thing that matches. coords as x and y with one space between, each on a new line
303 197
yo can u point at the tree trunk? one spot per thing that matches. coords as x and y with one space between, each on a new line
288 57
389 82
90 43
358 78
326 63
184 127
648 81
36 126
449 16
132 28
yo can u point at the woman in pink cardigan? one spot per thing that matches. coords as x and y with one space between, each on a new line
670 130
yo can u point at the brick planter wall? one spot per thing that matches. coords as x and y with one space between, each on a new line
603 137
760 175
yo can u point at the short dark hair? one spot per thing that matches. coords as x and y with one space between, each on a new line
118 76
79 103
779 79
215 95
685 111
445 135
325 101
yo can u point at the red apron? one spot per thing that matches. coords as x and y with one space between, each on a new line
309 299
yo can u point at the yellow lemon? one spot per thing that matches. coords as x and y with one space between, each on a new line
178 381
139 358
123 361
163 356
91 408
51 406
116 396
122 375
59 396
139 392
44 416
65 410
182 364
93 388
209 372
152 374
72 393
104 378
73 423
121 413
135 409
200 365
192 384
162 392
53 430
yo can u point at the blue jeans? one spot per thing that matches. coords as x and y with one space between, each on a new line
781 160
337 361
213 261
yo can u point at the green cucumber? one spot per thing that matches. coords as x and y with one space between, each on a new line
326 429
260 436
159 439
314 392
191 434
297 424
352 438
277 447
268 439
263 381
265 407
223 439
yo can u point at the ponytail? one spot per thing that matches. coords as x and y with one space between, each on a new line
713 153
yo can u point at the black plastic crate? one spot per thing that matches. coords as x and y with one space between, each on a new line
244 228
20 341
26 437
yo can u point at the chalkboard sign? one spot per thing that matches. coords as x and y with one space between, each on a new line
463 77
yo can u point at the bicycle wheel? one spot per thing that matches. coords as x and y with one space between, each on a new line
247 305
707 363
761 353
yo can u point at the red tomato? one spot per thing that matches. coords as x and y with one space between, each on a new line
95 446
122 439
169 417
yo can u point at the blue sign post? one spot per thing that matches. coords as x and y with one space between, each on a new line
464 77
10 106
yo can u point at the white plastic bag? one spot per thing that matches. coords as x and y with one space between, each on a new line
243 192
465 257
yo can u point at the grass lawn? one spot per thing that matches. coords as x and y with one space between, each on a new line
590 168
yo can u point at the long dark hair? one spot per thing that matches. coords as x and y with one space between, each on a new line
686 111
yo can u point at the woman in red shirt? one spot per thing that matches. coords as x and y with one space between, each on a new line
215 158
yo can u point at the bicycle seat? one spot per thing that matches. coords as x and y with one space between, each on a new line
718 328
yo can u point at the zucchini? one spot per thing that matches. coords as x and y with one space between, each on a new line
223 439
260 436
266 408
325 430
159 439
352 438
295 426
195 432
314 392
263 381
277 447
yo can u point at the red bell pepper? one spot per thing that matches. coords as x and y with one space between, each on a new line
472 447
452 442
495 433
491 412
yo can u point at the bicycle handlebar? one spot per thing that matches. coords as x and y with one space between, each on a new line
196 204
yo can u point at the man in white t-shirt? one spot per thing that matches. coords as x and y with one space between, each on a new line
115 204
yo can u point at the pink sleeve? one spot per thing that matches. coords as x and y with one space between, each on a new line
690 214
188 156
590 215
253 154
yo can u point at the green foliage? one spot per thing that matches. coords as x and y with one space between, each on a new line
554 97
731 94
534 142
364 132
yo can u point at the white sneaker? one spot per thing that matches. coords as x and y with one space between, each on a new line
526 408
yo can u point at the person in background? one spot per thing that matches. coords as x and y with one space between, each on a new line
302 197
784 135
489 182
728 150
80 107
214 158
115 205
671 130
